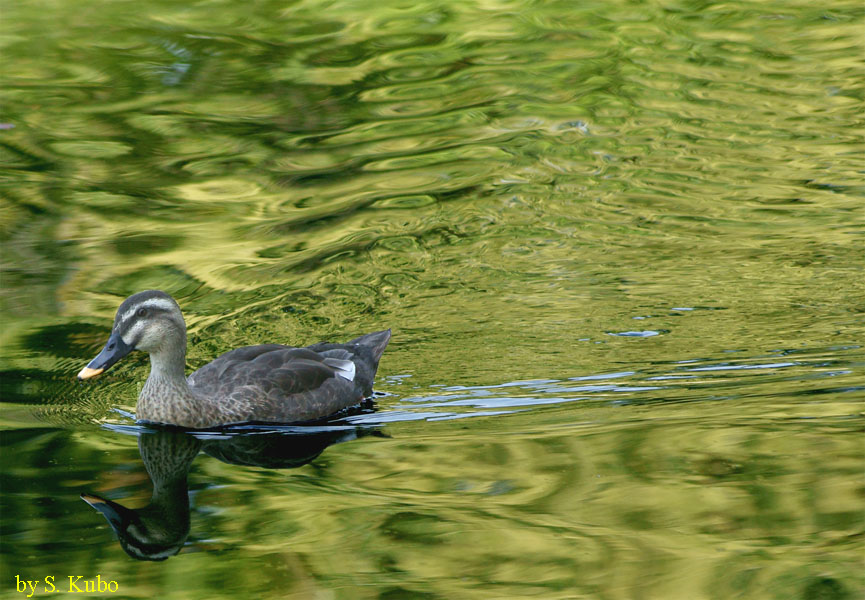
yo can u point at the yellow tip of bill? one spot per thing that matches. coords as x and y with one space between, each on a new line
91 499
87 373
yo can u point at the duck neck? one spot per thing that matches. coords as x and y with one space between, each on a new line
167 456
166 397
168 365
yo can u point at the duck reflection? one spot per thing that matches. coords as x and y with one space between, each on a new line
159 530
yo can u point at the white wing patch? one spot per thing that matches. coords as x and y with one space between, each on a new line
343 368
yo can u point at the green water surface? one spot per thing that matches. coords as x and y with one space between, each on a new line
621 246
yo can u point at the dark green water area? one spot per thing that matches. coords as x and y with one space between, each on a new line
621 246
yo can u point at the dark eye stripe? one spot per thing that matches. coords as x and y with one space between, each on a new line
151 312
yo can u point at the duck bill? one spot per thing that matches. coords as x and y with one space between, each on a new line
114 513
115 349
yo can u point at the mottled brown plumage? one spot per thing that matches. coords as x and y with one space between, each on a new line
268 383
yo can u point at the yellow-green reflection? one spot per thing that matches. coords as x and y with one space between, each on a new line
620 246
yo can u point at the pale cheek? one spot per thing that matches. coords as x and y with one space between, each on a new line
155 337
147 343
129 337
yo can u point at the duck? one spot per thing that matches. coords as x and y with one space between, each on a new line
267 383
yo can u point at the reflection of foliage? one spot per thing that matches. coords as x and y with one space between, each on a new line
381 158
593 510
503 183
33 265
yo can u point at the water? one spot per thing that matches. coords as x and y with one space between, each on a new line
620 245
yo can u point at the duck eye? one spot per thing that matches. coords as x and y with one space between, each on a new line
141 312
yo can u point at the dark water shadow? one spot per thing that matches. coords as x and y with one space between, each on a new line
160 529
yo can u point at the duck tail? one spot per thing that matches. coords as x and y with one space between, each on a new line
377 342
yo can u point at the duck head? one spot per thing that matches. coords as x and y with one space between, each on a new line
140 533
150 321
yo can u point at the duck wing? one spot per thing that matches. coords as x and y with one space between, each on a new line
364 351
277 383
